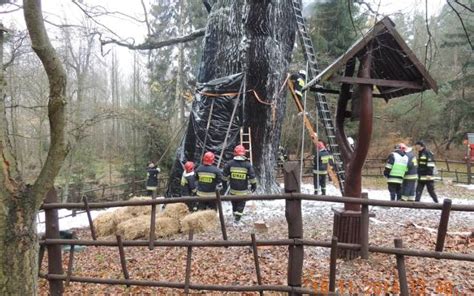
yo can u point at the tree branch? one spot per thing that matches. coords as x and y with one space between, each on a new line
152 43
462 24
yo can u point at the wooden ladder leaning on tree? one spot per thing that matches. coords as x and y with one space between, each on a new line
309 127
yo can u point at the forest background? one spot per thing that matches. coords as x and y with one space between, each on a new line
123 113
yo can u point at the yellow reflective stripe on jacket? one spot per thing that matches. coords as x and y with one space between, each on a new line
238 170
410 177
320 172
151 188
300 82
238 192
205 194
184 181
395 180
388 166
326 158
253 181
431 164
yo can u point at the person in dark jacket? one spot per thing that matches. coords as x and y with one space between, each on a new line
395 169
426 166
299 80
152 178
188 184
321 159
409 180
239 172
209 178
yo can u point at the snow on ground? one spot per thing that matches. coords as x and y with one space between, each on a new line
470 187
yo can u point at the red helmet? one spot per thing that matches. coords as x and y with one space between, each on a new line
189 166
321 145
239 150
208 158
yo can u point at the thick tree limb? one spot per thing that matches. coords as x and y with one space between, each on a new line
152 43
57 99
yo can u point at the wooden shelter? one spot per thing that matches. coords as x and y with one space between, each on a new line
395 71
387 68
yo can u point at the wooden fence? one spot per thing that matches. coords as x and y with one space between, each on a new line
295 241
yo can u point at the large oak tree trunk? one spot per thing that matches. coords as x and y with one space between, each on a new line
19 204
255 37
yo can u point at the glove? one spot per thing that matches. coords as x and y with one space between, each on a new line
253 187
386 173
219 187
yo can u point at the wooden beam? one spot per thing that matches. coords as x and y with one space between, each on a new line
377 82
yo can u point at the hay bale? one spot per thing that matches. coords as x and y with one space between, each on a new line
165 226
134 228
175 211
105 224
199 221
137 211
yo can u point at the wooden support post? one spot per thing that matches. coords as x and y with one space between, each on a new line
364 229
221 215
402 275
187 278
70 265
447 164
151 244
257 264
294 219
89 217
123 262
55 264
332 265
469 170
443 225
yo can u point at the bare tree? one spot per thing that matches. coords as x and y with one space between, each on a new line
20 203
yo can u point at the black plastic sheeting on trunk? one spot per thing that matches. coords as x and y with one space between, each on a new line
219 95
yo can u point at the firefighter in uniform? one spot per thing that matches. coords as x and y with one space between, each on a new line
152 178
239 172
209 178
320 167
188 184
426 166
299 82
409 180
395 169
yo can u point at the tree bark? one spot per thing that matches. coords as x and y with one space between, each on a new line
19 203
255 37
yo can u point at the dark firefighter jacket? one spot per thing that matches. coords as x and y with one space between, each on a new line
320 163
239 173
208 177
412 172
396 167
152 178
188 184
298 83
426 165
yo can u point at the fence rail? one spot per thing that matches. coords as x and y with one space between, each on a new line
295 242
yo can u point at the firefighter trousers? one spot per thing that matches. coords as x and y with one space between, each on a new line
395 190
238 208
430 186
319 180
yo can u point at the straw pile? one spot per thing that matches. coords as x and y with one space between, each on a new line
134 228
199 221
139 210
175 211
106 224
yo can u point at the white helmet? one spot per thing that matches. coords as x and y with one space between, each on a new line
302 72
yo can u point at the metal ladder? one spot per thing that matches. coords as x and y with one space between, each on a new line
246 141
321 102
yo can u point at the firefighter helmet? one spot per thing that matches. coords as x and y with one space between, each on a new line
239 150
189 166
302 72
208 158
321 145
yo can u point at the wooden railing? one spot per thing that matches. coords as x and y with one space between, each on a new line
295 242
